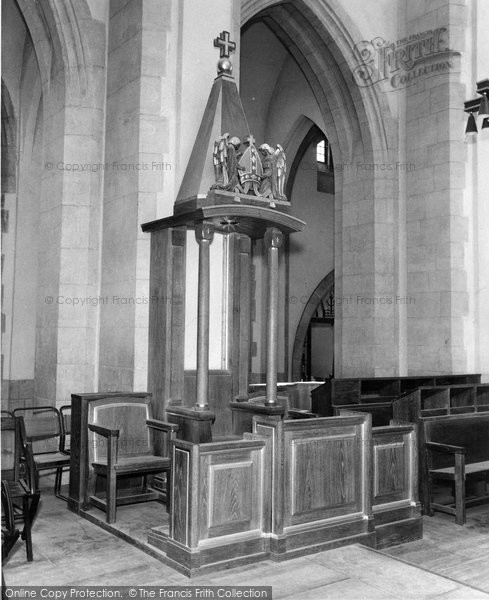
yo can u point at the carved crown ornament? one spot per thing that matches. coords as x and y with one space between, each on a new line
242 168
233 183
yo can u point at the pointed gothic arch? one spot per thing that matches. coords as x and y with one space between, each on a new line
321 37
324 288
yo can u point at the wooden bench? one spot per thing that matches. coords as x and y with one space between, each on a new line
457 447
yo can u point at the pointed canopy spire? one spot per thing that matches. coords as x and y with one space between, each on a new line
224 113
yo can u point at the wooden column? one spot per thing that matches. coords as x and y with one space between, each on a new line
244 315
166 318
204 234
239 316
273 241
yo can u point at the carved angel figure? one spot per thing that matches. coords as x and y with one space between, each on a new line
225 159
269 171
274 170
281 164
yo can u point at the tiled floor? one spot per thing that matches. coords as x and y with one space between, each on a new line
69 550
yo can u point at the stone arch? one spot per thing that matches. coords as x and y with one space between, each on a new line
9 142
69 48
321 37
310 308
61 35
302 135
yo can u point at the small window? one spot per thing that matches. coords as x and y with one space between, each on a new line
325 173
321 151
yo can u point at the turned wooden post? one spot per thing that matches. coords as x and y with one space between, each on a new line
204 234
273 241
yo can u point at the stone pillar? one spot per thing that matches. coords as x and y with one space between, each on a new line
273 241
138 170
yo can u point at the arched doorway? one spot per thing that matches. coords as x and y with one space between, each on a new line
318 314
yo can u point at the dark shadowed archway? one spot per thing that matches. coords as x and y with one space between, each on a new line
310 309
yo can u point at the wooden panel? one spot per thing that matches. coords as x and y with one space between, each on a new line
220 394
407 408
217 490
433 398
270 428
325 463
181 488
482 395
239 319
394 464
345 391
379 387
409 384
321 399
322 475
389 472
462 396
230 490
381 412
457 379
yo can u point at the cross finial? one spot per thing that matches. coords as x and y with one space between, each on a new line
250 139
225 45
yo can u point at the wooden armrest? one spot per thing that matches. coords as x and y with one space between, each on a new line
446 448
162 425
103 430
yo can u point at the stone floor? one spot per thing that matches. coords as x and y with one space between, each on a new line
451 562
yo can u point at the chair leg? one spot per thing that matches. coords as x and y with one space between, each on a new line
33 507
26 533
57 484
111 496
57 481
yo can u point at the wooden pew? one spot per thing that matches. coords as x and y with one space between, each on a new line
376 395
457 448
439 400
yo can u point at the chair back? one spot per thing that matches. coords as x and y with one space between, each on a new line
65 412
43 428
17 459
470 431
11 448
129 417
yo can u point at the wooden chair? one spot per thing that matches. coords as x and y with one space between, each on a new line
20 476
122 446
45 432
